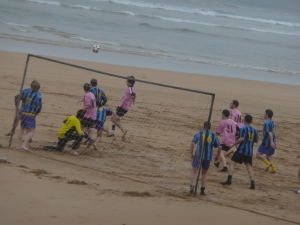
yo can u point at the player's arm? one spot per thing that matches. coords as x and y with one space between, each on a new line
39 106
78 127
219 129
219 152
104 98
271 140
238 141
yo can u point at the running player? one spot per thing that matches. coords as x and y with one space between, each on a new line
228 128
127 100
31 107
99 94
102 113
67 133
236 114
247 137
199 140
268 144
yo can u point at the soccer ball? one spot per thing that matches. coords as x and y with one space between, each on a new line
96 48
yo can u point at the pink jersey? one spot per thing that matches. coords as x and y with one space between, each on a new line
227 127
236 115
89 100
128 98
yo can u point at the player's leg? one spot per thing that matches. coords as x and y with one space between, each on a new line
62 142
203 181
28 122
251 175
205 167
193 179
77 141
259 154
270 159
98 138
236 158
223 160
20 137
117 122
230 173
195 165
29 134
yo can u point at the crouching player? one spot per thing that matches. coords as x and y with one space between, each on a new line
67 133
199 140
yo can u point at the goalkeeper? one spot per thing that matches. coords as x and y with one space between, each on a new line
67 133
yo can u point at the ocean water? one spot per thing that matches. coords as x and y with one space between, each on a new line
248 35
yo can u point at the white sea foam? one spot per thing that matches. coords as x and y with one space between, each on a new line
94 41
201 12
17 24
44 2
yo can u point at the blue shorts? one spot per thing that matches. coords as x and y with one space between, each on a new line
205 163
265 150
28 122
99 125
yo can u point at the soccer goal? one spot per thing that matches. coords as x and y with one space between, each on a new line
160 125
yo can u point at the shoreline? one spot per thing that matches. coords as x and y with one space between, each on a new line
147 62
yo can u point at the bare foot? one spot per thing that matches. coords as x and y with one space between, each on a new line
96 148
73 152
124 133
25 148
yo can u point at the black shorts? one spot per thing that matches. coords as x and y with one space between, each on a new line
120 111
87 122
225 147
239 158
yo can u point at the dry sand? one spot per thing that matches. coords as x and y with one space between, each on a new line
144 179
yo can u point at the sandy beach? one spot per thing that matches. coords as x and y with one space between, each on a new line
145 178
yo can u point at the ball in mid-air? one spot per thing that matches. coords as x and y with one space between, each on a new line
96 48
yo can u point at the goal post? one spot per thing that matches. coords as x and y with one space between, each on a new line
204 110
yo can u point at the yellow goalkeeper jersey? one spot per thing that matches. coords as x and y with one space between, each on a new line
71 122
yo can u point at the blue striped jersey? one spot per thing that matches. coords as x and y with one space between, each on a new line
212 141
102 113
250 137
32 101
99 95
269 126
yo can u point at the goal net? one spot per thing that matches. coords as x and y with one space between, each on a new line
160 125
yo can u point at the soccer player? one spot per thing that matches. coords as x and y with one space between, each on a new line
228 128
247 137
18 116
102 113
236 114
89 103
67 133
31 107
199 140
99 94
268 144
127 100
